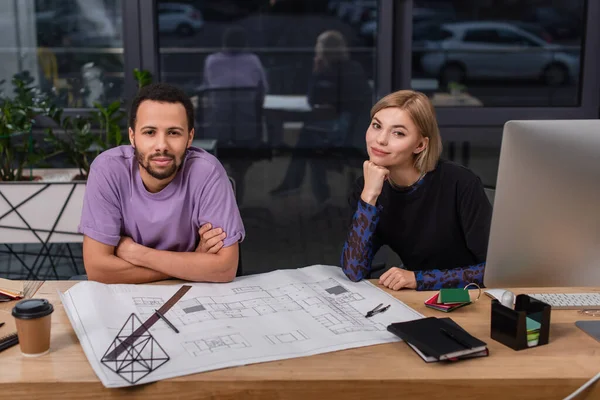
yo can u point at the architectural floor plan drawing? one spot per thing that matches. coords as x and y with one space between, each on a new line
213 344
328 302
273 316
287 337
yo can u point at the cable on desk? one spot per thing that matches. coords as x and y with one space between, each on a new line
583 387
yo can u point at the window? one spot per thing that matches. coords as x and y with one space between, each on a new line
78 48
508 53
283 89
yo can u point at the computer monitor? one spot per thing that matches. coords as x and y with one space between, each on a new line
546 220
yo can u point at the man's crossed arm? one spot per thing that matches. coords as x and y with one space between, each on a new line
129 262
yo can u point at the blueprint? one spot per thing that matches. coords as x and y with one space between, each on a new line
272 316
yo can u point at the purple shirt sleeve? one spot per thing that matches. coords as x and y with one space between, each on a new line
219 207
101 217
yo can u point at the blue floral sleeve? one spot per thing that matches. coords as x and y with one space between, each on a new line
435 279
361 244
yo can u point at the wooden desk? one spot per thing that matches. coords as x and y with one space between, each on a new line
383 371
290 103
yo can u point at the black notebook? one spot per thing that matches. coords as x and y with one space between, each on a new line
440 338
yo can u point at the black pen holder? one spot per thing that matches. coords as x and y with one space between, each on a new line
509 326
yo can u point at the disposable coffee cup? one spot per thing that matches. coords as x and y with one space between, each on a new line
32 317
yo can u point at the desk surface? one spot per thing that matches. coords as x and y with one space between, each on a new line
290 103
382 371
299 103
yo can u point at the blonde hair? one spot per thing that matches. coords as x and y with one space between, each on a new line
422 113
331 47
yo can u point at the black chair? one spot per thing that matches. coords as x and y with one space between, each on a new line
231 115
240 270
234 117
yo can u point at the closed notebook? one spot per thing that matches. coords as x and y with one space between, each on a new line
11 288
450 296
438 338
434 303
429 359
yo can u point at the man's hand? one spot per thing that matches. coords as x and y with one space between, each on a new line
374 178
211 240
127 249
396 278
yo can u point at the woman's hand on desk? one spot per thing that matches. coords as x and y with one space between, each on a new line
211 240
397 278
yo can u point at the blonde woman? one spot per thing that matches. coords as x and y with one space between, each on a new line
433 213
339 95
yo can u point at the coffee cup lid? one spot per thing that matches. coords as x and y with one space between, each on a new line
32 308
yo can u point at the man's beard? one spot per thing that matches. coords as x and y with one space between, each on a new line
163 174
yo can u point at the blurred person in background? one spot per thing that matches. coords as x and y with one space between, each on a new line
339 95
234 87
234 66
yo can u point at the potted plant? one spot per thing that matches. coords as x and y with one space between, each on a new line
32 210
18 149
48 210
83 138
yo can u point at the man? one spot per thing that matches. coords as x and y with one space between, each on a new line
146 204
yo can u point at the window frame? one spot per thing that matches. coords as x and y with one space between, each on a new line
589 82
139 47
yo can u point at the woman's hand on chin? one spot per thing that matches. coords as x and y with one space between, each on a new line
374 177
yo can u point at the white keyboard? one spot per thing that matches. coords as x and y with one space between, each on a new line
570 301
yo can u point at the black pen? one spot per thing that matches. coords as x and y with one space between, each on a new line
166 320
456 339
377 310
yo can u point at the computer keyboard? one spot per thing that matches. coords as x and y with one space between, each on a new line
570 301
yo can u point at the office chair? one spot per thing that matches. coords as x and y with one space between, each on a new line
232 115
240 270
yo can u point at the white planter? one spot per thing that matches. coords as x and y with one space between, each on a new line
42 211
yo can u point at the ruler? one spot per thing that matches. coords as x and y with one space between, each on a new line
147 324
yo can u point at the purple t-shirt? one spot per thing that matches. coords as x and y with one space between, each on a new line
117 204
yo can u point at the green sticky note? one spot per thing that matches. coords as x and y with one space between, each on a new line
454 296
532 325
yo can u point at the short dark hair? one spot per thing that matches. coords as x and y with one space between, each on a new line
234 39
162 92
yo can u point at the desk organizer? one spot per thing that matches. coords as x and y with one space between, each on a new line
509 326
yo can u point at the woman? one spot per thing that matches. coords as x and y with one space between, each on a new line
433 213
339 94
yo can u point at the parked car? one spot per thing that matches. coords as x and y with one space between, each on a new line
181 19
71 27
534 29
424 20
496 50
